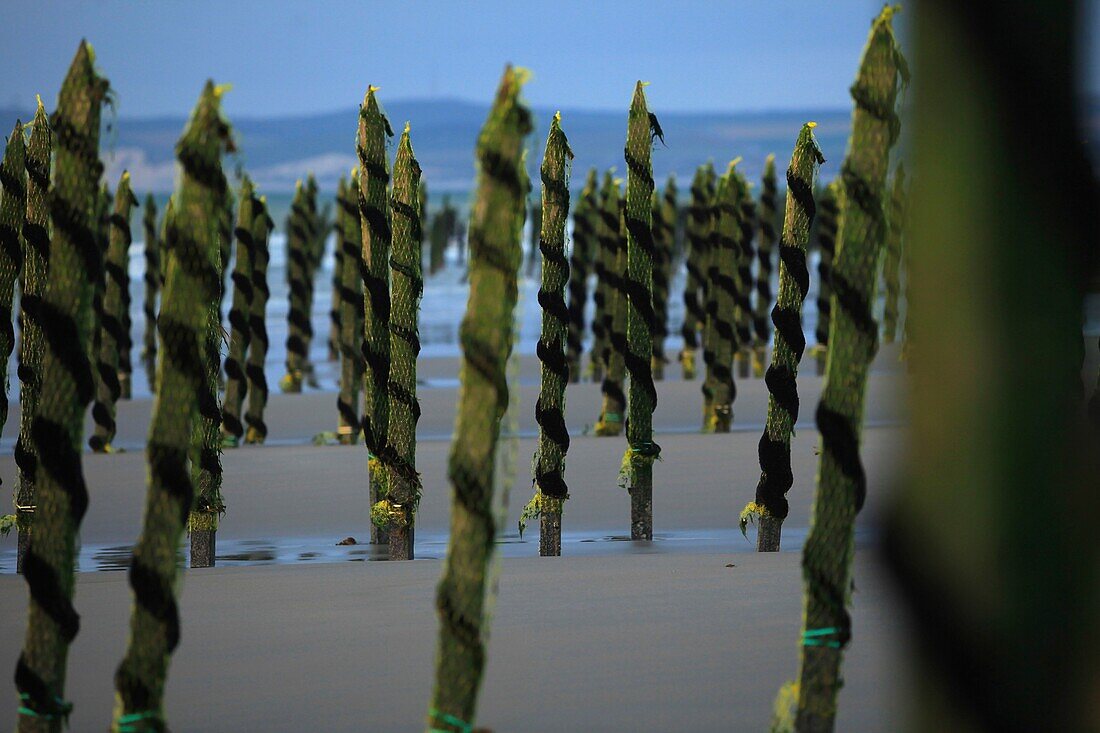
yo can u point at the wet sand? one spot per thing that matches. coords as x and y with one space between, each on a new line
614 636
655 643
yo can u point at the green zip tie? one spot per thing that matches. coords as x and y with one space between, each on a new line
814 637
62 711
647 449
612 417
129 723
450 720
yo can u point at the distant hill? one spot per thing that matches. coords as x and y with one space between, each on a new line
277 151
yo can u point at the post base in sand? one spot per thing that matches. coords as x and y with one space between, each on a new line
641 511
203 545
401 542
378 536
744 366
768 534
821 365
550 535
22 543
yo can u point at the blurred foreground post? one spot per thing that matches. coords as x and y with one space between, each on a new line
841 483
32 345
486 336
67 388
829 214
191 289
993 535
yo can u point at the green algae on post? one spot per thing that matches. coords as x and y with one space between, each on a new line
486 337
206 436
191 289
637 474
549 461
262 224
374 212
337 272
398 509
828 226
768 240
112 339
240 335
604 245
297 268
694 297
67 389
664 239
580 261
613 239
891 264
13 210
153 281
720 339
747 223
841 484
36 257
351 313
770 504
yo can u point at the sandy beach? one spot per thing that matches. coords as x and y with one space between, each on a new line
292 632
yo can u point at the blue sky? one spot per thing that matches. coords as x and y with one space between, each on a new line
300 57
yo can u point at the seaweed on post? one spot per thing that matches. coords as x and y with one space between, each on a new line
580 261
664 239
397 512
694 295
828 226
67 388
776 479
32 345
262 224
548 465
351 314
841 484
153 280
374 213
191 290
486 337
297 269
337 271
13 211
721 337
604 244
240 335
892 257
745 282
112 337
768 239
613 239
637 467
